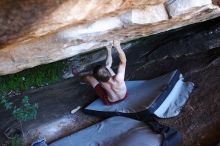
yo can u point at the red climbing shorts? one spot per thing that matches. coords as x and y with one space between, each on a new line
101 92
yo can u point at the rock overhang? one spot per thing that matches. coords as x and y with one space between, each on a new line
59 37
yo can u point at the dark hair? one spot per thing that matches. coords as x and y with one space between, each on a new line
101 73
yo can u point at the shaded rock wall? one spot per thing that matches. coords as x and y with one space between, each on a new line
75 26
157 52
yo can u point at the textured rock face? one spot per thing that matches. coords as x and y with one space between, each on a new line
77 26
147 15
156 53
179 7
39 17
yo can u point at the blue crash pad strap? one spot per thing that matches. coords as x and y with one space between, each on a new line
166 92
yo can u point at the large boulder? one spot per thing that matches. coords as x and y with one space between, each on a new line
71 27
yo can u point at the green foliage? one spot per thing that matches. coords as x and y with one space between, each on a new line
5 102
26 111
35 77
22 81
17 141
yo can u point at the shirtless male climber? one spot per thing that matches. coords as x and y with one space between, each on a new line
110 87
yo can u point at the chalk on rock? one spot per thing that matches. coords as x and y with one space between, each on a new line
179 7
150 14
75 110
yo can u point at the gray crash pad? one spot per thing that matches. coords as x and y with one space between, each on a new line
163 96
115 131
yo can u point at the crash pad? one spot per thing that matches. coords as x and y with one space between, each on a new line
163 96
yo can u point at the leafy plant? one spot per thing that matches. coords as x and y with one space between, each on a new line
17 141
5 102
26 111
